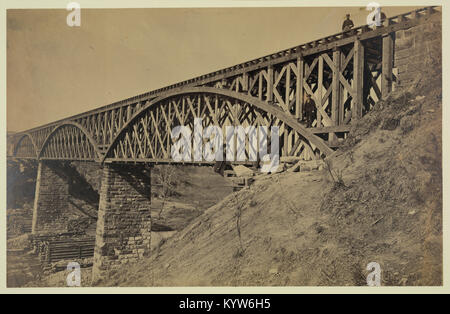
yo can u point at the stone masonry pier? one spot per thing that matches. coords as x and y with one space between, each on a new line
124 217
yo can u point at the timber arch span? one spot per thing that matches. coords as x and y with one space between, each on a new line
345 74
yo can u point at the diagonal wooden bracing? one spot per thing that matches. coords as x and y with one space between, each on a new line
69 141
147 135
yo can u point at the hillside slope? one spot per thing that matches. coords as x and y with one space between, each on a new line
383 204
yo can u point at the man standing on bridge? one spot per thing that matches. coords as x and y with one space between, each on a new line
309 110
348 24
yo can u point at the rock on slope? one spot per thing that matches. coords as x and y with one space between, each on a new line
383 203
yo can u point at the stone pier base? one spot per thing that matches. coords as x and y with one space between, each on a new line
124 217
65 195
51 199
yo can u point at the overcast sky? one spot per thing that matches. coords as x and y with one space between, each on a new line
55 71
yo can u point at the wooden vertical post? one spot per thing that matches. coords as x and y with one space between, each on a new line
105 126
111 129
358 77
319 92
260 85
269 96
288 87
299 89
119 124
99 126
244 82
341 95
287 102
387 61
335 92
128 112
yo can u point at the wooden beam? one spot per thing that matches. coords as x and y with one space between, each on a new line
336 87
330 129
269 95
299 88
244 81
341 93
358 78
336 92
387 62
319 91
287 86
260 85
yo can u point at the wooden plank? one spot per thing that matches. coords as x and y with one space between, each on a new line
111 130
287 86
387 62
244 82
299 89
358 77
330 129
260 85
128 113
269 96
319 91
341 93
335 87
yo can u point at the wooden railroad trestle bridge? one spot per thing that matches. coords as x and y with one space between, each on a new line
345 73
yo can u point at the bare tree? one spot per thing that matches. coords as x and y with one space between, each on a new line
166 178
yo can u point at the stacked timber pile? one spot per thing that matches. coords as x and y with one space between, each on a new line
70 249
40 243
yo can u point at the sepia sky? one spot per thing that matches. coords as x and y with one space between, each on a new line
55 71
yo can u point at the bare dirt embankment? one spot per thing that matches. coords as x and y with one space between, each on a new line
384 205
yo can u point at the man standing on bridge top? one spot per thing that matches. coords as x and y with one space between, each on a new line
348 24
309 110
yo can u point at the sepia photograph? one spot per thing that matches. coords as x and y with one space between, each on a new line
243 146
